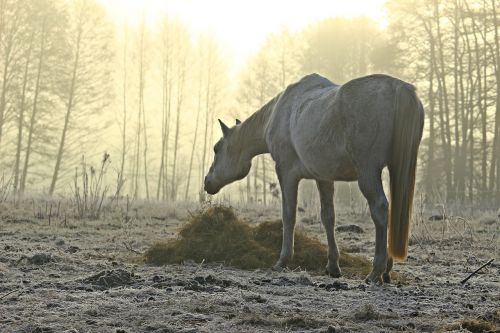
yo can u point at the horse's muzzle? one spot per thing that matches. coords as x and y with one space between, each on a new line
210 188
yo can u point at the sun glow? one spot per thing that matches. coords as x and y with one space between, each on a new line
242 25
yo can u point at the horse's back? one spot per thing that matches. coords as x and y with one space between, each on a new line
309 82
289 105
367 107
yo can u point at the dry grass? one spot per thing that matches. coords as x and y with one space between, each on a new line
490 322
471 325
214 235
89 189
217 235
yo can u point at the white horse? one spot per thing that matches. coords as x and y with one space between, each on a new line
316 129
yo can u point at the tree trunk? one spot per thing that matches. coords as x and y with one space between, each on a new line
484 115
193 148
431 177
145 150
481 107
69 109
137 165
142 110
180 100
444 107
264 179
495 158
124 110
208 114
20 123
3 94
140 125
458 171
466 119
256 180
249 190
166 109
168 119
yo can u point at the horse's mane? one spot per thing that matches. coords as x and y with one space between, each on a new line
258 121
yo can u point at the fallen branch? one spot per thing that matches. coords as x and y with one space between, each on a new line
129 248
10 292
476 271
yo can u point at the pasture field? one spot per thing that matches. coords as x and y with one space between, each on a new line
88 275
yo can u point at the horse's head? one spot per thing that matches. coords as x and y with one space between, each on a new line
230 161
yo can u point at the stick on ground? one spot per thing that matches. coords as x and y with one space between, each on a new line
10 293
476 271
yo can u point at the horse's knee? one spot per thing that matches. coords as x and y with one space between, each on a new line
382 205
379 211
327 216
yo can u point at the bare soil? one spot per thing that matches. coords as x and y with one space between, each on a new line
89 276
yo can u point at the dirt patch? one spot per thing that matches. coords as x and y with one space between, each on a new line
110 279
217 235
354 228
40 259
368 312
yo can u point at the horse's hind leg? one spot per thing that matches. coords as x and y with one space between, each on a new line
370 185
328 218
387 273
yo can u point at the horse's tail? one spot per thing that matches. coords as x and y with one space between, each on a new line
407 133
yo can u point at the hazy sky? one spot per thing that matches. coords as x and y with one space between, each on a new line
242 25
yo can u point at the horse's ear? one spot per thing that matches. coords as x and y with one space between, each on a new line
224 128
238 121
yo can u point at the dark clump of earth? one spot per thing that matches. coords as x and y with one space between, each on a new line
110 279
350 228
40 259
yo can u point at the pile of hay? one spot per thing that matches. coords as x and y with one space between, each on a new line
216 235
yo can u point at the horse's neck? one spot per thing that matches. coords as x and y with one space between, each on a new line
252 132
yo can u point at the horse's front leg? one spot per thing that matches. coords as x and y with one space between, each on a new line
289 187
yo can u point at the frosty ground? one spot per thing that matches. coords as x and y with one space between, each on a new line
87 276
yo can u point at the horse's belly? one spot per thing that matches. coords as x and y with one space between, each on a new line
328 163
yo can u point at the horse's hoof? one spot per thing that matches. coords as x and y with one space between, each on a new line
278 268
374 278
333 274
386 277
333 271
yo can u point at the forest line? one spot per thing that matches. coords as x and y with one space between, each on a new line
74 83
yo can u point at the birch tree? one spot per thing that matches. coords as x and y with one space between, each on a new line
89 76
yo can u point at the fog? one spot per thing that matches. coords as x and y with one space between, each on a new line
83 79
